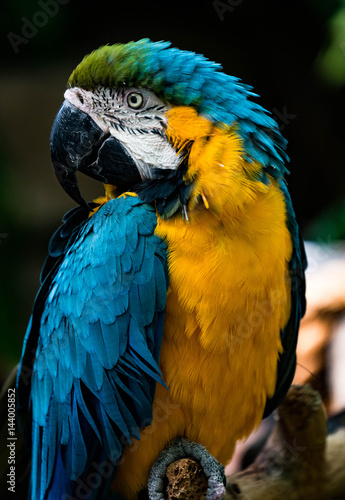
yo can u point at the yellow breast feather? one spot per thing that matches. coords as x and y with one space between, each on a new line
228 301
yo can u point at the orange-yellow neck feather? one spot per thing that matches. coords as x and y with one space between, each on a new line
221 176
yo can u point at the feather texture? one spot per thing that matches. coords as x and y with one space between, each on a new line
235 300
222 227
95 366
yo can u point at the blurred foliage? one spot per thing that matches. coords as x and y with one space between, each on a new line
326 8
330 63
10 239
329 226
42 23
18 269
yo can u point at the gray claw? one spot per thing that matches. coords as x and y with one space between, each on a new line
182 448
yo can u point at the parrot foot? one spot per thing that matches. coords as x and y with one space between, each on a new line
182 448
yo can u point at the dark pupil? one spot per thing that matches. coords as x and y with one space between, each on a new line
134 99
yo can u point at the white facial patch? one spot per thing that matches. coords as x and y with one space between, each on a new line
135 117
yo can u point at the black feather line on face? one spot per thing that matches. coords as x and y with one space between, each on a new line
167 190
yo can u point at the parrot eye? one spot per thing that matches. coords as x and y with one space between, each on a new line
80 97
134 100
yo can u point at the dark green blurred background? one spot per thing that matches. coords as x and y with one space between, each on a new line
293 53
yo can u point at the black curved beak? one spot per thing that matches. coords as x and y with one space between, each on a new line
78 143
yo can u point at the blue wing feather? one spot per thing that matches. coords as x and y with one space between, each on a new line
95 332
297 265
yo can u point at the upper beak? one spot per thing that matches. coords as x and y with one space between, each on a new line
78 143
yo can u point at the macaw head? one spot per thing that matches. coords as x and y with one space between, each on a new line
158 121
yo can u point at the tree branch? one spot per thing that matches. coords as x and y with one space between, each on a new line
298 461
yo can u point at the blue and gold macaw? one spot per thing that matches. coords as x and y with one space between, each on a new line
169 308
